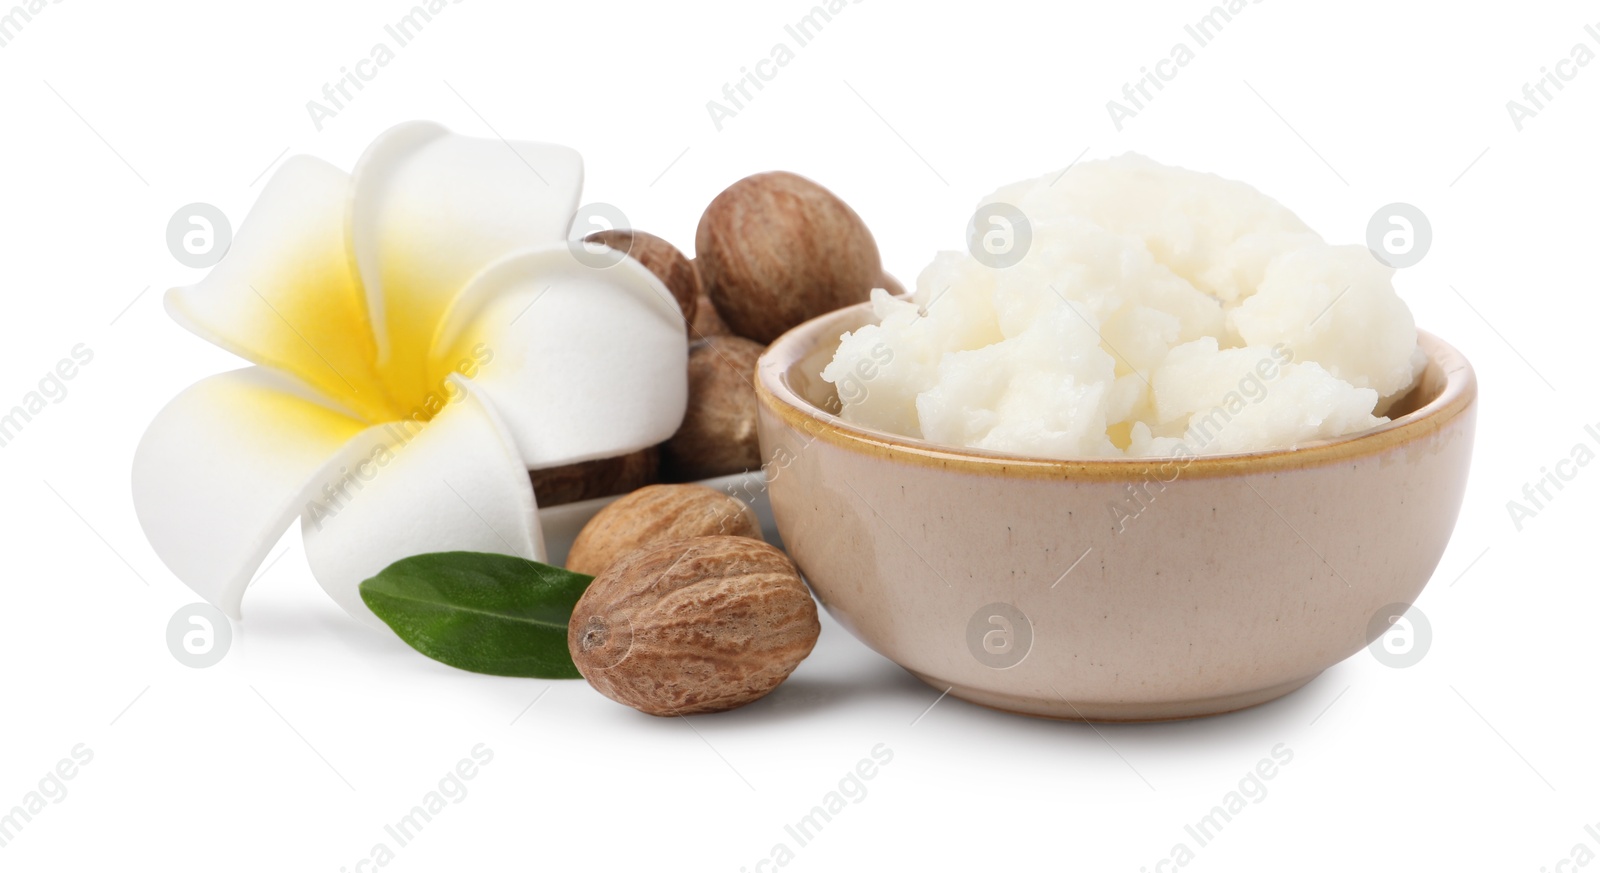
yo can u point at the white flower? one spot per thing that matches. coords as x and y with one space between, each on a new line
422 337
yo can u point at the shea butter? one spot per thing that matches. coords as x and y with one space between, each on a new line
1156 311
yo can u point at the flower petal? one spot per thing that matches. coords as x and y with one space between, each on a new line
581 362
429 210
452 484
286 295
224 468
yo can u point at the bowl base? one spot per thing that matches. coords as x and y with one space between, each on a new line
1087 711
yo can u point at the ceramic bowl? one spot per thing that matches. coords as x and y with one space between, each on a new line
1115 590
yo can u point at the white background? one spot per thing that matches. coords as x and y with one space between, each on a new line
313 733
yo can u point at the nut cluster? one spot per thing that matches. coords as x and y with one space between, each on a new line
690 611
772 250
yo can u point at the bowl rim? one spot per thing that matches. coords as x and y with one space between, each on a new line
1457 397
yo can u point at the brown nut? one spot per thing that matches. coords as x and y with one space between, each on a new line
656 514
588 480
776 249
707 323
693 626
718 435
663 259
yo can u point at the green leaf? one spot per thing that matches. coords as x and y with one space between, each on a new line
486 613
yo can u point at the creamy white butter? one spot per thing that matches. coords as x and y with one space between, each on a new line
1156 312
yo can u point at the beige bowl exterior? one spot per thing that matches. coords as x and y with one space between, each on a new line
1223 583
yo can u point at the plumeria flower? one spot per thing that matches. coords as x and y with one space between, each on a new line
422 336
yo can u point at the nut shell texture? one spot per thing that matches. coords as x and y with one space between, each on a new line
694 626
656 514
718 436
777 249
707 322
